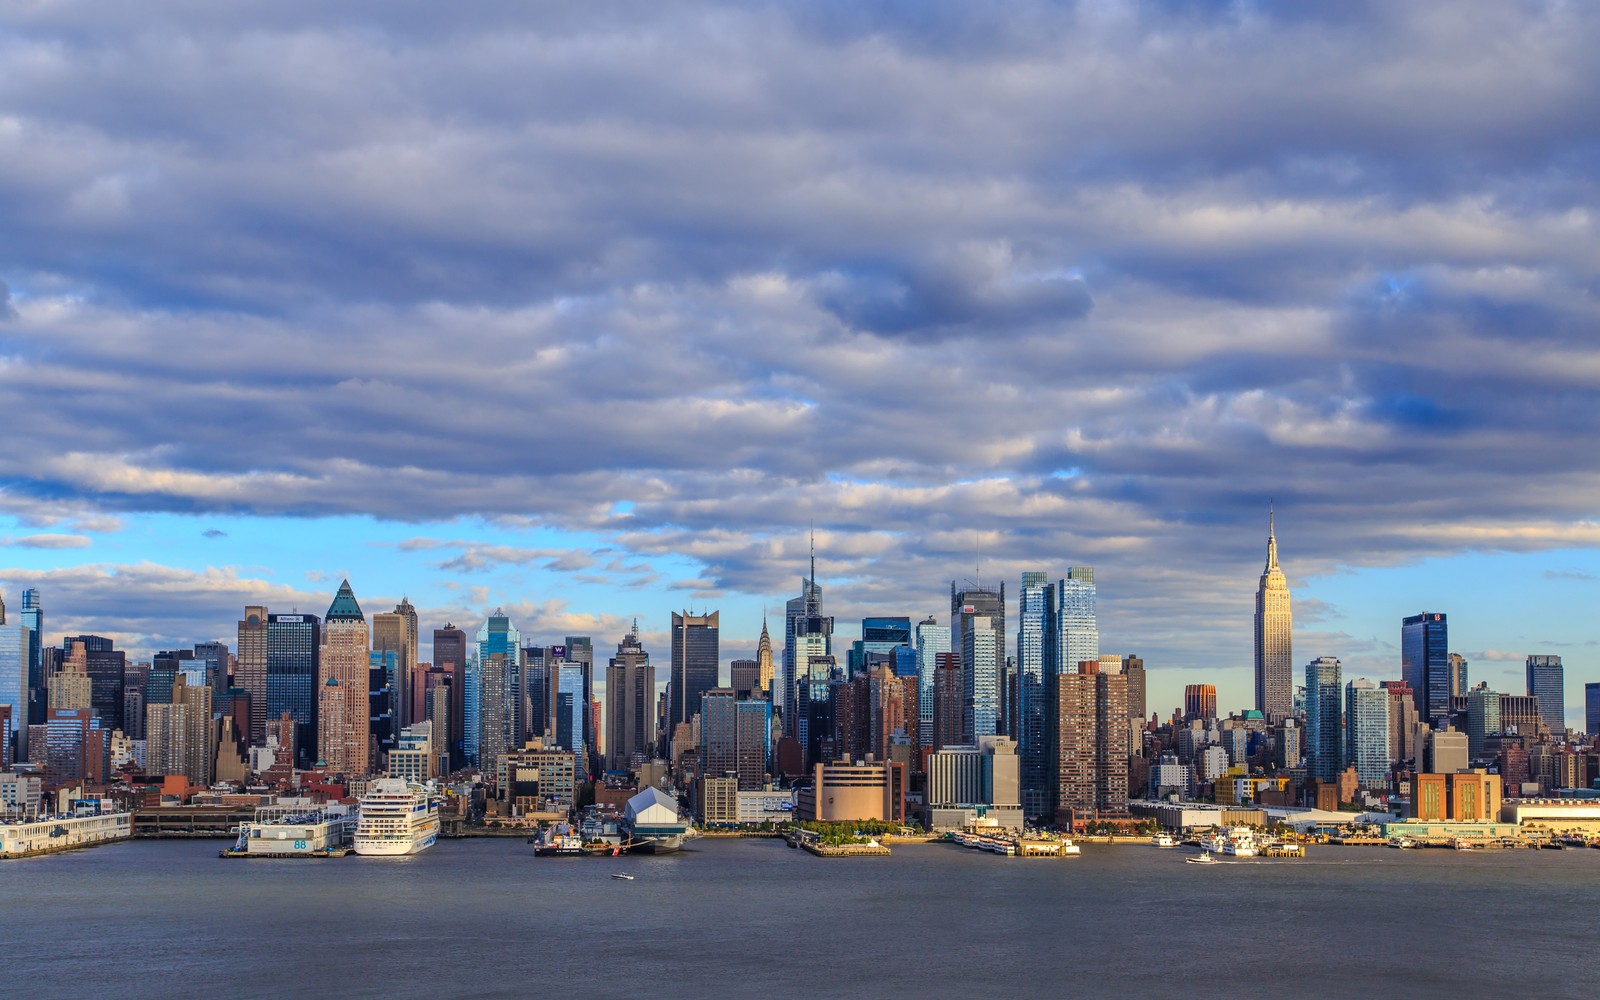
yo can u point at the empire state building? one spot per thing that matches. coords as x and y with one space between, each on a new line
1274 630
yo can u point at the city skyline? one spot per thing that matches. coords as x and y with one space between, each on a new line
1500 675
1064 285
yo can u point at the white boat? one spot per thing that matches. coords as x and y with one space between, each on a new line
1069 849
1163 841
622 875
1204 859
396 818
1463 845
1402 843
1237 841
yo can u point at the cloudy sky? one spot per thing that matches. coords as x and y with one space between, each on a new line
589 311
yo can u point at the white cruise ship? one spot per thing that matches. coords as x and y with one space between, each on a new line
396 818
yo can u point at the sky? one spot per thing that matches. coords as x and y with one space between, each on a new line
591 311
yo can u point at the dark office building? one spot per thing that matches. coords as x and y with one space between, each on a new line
383 673
1425 665
947 698
215 657
1547 682
294 644
745 676
450 655
1133 669
164 669
695 659
105 666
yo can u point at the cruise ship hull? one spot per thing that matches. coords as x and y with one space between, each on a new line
394 848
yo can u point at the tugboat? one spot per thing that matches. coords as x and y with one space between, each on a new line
1205 858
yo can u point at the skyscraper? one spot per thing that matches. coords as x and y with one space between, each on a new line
882 634
570 710
764 665
69 687
1425 665
500 693
214 656
1591 709
1483 721
104 664
1072 628
1034 600
450 656
1458 676
1274 636
1547 682
807 633
977 633
14 686
580 650
33 620
1199 701
345 659
1133 667
250 673
744 676
947 702
1089 735
1367 732
695 662
630 703
383 673
291 654
1324 743
718 733
932 640
735 737
396 631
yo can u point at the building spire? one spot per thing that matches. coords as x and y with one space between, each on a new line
1272 536
813 555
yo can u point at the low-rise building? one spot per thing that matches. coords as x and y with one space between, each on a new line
1556 815
842 792
1465 796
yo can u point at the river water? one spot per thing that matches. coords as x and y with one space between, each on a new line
484 918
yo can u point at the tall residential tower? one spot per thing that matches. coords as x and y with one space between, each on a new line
343 727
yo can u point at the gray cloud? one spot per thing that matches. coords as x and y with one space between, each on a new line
50 541
1071 283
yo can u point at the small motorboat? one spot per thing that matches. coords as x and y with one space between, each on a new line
1204 859
622 875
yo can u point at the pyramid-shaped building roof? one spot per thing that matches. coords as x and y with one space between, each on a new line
344 607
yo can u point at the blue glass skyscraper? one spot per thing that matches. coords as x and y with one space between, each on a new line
14 685
932 639
33 619
1034 609
1425 665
